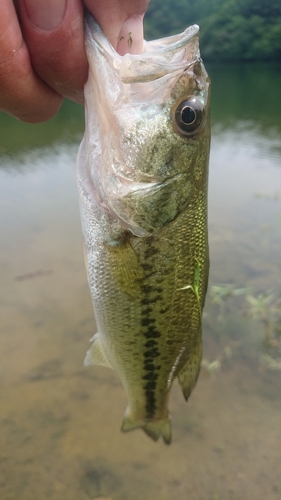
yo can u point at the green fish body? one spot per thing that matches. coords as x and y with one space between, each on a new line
142 176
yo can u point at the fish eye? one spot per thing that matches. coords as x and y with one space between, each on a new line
189 115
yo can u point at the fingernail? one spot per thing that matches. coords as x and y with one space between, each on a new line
46 14
130 38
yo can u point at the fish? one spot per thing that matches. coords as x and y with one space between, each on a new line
142 171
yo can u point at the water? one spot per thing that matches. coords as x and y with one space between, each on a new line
59 422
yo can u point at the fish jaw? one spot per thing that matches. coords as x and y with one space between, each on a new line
143 195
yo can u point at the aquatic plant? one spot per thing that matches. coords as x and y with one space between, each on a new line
270 363
219 294
214 366
266 307
263 308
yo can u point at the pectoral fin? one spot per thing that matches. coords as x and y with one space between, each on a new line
188 375
125 267
96 355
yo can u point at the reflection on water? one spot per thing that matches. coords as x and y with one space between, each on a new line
59 422
247 93
66 126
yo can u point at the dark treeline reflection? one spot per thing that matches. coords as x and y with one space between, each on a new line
246 93
66 126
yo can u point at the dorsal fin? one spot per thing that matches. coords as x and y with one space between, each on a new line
189 373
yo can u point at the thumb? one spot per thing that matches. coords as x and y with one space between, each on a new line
121 22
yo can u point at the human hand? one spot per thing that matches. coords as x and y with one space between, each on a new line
42 55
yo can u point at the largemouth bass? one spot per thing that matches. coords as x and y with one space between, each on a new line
142 175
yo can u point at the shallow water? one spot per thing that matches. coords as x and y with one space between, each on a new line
59 422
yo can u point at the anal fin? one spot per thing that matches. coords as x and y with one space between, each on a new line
188 375
96 355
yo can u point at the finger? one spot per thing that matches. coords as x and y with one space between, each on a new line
53 32
22 93
121 22
130 38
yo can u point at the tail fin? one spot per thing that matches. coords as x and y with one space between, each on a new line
153 428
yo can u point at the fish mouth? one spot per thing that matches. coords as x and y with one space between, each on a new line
159 58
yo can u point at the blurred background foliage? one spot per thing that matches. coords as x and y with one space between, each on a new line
231 30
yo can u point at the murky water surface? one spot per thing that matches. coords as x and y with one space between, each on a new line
59 422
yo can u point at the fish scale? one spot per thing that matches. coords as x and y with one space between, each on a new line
142 178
